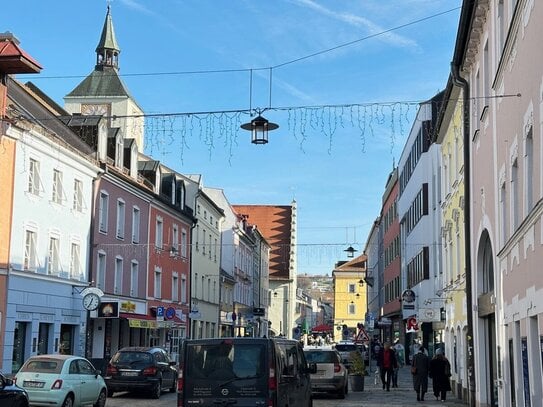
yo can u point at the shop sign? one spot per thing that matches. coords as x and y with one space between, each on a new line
128 306
141 323
108 309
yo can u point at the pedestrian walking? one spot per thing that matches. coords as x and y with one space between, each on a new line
440 371
387 362
419 370
400 357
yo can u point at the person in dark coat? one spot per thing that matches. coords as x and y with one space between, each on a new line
440 371
387 362
419 369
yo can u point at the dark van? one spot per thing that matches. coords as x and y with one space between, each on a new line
244 372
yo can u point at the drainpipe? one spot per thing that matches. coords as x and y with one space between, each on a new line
462 83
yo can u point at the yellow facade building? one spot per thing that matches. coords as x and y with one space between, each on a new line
350 297
453 294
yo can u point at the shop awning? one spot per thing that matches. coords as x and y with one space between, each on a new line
322 328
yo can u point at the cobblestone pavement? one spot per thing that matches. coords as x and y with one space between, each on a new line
374 395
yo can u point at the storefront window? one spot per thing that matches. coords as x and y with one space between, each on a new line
43 338
19 336
66 339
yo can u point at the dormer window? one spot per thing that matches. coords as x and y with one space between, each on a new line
119 150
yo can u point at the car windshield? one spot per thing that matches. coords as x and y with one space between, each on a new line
43 366
321 357
132 358
225 360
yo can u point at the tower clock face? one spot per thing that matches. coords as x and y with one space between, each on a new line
94 109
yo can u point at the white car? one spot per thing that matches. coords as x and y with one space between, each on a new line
331 375
62 380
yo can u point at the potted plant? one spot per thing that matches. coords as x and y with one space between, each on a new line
357 371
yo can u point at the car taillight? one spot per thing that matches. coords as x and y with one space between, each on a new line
57 384
272 380
180 380
337 368
149 371
111 370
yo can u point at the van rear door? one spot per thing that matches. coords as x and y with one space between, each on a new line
225 372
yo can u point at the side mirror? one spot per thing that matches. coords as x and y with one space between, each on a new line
312 368
172 363
6 382
97 372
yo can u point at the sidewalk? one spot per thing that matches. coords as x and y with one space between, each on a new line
374 395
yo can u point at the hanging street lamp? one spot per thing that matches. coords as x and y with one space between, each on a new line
259 128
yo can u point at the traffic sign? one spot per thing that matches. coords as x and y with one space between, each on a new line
160 313
170 313
362 336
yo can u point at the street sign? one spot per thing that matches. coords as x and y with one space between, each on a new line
362 335
160 313
259 312
170 313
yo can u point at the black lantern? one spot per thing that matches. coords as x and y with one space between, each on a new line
259 128
350 251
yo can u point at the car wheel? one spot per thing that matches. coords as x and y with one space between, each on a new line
173 389
101 402
156 390
341 393
68 401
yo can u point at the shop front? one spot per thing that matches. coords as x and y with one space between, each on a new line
43 316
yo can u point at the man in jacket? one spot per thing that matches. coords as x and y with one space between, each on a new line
387 362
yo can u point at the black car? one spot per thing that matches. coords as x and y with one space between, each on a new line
244 372
141 369
11 395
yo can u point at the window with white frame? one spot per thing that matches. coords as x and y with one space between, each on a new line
352 309
101 270
352 288
134 271
204 242
75 260
30 260
184 242
175 287
78 196
159 229
158 283
514 196
135 224
34 177
215 248
120 218
503 214
103 211
175 238
209 245
529 176
57 187
183 290
53 259
118 283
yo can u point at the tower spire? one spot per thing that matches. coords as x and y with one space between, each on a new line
107 51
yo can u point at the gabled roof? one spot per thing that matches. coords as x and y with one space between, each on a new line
13 59
35 111
101 83
357 265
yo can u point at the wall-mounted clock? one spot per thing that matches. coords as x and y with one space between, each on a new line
91 301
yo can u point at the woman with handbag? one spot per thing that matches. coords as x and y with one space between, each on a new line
440 371
419 370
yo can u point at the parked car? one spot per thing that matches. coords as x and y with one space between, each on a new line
61 380
245 371
331 375
11 395
345 348
141 369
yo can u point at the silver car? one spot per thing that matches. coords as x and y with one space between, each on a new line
331 375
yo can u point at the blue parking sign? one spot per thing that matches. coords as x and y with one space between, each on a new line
160 313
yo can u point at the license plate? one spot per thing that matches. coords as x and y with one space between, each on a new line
36 385
129 373
321 372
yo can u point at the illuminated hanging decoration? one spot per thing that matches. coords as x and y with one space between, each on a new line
259 128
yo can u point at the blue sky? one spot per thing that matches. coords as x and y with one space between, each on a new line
333 161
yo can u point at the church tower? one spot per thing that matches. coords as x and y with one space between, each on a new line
103 92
